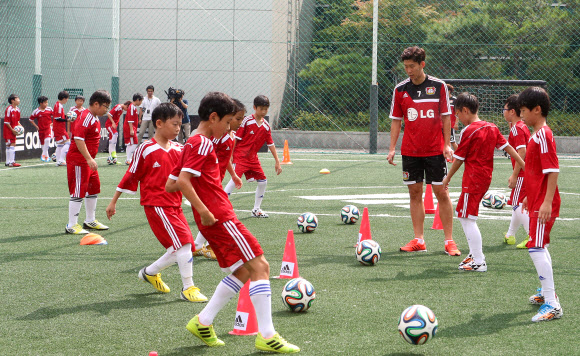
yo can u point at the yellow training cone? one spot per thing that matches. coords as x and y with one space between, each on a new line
324 171
93 239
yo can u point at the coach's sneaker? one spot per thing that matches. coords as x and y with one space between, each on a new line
466 260
258 213
510 240
208 252
95 225
414 246
75 230
275 344
205 333
547 313
474 267
451 248
193 294
523 243
155 281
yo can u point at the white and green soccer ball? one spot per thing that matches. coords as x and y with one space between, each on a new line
71 116
349 214
494 200
307 222
417 324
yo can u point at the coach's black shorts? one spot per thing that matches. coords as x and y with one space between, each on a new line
452 137
432 168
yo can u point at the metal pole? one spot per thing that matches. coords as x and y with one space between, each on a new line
374 97
37 77
115 36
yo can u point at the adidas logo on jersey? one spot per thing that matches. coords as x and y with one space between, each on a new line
405 96
156 165
252 132
227 149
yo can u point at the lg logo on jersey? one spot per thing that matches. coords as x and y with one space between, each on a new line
413 114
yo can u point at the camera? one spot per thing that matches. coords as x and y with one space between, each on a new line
173 93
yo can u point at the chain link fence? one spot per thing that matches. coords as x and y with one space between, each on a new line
313 58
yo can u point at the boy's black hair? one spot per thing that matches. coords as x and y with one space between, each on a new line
239 105
150 87
466 100
11 98
41 99
137 96
261 100
415 53
512 103
63 95
166 111
80 97
126 103
535 96
100 97
217 102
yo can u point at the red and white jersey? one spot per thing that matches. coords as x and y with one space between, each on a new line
115 113
199 159
223 148
541 159
478 140
150 168
251 137
452 117
518 138
132 117
58 111
59 119
43 118
12 116
88 129
78 112
421 107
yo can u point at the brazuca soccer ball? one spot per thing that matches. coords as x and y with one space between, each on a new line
298 294
19 130
53 157
307 222
417 324
498 200
368 252
349 214
486 201
111 161
71 116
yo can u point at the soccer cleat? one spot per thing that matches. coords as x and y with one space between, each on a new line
451 249
467 260
474 267
44 158
510 240
523 243
208 252
414 246
127 162
155 281
275 344
13 164
258 213
538 298
61 163
95 225
547 313
75 230
205 333
193 294
198 252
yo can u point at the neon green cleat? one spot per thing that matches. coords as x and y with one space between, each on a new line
510 240
205 333
523 243
193 294
155 281
275 344
75 230
95 225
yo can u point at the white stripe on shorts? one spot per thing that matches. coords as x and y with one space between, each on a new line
77 193
240 240
168 227
465 200
517 190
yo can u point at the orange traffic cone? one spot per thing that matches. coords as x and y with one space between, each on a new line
245 322
437 224
286 156
428 202
364 232
289 267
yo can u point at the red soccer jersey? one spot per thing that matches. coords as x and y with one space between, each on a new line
541 159
78 112
43 118
476 145
88 129
199 159
150 167
132 117
421 107
116 113
59 117
12 118
223 149
518 138
251 137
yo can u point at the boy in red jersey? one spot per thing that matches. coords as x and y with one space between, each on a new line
542 199
112 124
250 137
130 125
83 178
518 139
153 161
11 120
478 141
78 110
43 114
59 125
237 250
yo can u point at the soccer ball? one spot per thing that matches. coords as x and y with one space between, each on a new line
298 295
368 252
417 324
307 222
498 200
19 130
71 116
111 161
349 214
53 157
486 201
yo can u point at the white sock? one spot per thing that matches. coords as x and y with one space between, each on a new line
199 241
8 161
112 145
230 187
524 219
185 264
543 263
261 296
224 292
260 190
421 241
65 150
58 152
474 240
12 152
74 208
168 259
91 207
45 146
514 222
130 150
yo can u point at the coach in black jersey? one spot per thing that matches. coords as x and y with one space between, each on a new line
422 102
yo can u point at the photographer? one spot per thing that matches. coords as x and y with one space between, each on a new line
175 96
149 103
